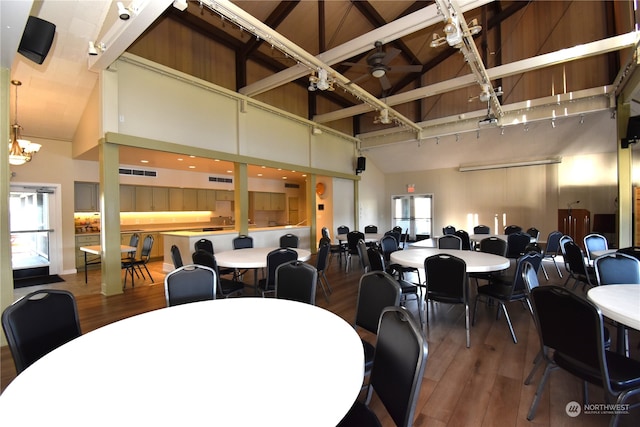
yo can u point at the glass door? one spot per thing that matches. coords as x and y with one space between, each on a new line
413 213
30 229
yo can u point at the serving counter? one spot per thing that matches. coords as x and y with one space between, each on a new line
223 240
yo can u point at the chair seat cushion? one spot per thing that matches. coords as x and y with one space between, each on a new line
500 290
359 416
624 373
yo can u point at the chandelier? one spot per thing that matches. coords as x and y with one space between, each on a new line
20 150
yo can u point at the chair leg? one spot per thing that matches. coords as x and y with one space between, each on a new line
557 268
147 270
536 363
322 285
466 324
506 316
538 395
544 270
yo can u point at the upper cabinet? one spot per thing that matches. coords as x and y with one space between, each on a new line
183 199
206 199
127 198
152 199
225 195
267 201
87 197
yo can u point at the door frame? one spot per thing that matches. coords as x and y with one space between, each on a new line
55 221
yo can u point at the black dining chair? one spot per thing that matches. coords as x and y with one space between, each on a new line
275 258
38 323
296 281
190 283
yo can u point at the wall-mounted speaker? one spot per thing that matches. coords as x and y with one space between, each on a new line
37 39
633 132
361 165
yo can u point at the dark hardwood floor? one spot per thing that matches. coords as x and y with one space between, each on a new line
479 386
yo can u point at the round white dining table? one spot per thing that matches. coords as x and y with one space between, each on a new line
618 302
252 257
599 253
477 262
231 362
368 237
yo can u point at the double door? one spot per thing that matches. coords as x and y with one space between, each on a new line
413 212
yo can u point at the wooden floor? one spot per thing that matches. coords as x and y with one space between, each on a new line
479 386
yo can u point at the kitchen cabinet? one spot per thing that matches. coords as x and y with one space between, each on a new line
127 198
150 199
268 201
86 240
225 195
278 201
206 199
183 199
86 196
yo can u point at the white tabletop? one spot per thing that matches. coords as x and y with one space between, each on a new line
477 262
596 254
368 237
252 257
478 237
232 362
618 302
97 249
425 243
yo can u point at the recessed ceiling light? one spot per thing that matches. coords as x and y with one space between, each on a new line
192 167
144 161
284 177
279 169
216 160
180 159
259 174
304 174
263 167
293 171
193 157
229 171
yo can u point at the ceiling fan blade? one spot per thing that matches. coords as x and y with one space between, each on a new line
355 65
390 54
360 79
385 83
405 69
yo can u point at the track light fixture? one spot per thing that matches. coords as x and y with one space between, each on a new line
123 12
383 118
320 82
94 49
181 5
437 40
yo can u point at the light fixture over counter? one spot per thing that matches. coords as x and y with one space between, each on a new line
20 150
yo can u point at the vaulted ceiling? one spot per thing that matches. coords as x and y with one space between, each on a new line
526 61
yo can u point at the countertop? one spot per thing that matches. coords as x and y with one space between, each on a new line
194 233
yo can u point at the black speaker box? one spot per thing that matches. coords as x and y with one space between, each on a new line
362 164
37 39
633 132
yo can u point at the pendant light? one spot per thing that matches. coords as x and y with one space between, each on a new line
20 150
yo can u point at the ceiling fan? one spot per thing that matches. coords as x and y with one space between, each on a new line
378 66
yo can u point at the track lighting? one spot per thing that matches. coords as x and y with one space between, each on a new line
94 49
181 5
123 12
321 82
437 40
473 26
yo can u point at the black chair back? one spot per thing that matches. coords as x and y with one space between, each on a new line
449 229
534 233
352 241
510 229
274 259
204 244
576 265
370 229
376 259
450 241
297 281
517 243
190 283
224 287
242 242
147 245
376 291
322 257
343 229
176 257
465 239
617 269
396 376
481 229
38 323
388 245
446 279
363 256
595 242
289 241
493 245
553 244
